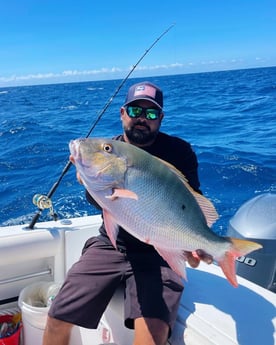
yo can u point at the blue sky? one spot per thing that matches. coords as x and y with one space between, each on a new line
47 41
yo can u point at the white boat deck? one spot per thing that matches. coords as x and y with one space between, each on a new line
211 311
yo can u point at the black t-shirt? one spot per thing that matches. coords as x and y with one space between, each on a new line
177 152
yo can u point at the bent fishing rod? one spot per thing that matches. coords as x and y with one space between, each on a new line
44 201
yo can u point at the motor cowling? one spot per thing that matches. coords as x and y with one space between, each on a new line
256 220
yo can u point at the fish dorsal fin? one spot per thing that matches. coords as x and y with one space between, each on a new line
206 205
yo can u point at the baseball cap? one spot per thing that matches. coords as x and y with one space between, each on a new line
147 91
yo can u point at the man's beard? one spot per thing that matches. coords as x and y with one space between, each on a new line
138 136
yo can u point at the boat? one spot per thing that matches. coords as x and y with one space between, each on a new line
211 310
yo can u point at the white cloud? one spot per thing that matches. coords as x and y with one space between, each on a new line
116 72
50 75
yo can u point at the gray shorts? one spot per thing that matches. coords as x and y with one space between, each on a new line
152 289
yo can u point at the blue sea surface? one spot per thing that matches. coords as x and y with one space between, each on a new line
229 118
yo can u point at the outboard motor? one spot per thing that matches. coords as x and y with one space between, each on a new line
256 220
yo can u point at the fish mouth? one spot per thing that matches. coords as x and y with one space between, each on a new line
74 150
72 159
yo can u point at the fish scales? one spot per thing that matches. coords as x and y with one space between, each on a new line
152 200
157 220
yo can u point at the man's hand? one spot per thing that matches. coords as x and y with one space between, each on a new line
194 258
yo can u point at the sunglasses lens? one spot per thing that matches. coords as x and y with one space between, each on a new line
150 113
134 111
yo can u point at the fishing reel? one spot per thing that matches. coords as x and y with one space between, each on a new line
44 202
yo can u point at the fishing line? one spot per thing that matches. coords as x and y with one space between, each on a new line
44 201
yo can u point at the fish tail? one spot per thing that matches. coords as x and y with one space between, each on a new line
239 247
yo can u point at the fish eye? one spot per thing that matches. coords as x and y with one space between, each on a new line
107 148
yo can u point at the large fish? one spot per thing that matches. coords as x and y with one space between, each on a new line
152 200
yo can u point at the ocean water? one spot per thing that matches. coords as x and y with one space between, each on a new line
229 118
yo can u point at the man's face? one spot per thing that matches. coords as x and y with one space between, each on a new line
140 131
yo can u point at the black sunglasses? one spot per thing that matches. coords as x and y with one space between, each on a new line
136 111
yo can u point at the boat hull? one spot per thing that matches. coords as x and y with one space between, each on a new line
211 310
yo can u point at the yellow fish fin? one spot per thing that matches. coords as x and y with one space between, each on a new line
243 247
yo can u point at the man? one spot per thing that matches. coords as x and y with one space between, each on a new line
152 289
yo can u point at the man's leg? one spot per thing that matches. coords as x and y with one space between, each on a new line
148 331
93 278
152 296
57 332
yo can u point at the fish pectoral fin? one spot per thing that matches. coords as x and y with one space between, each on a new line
112 228
176 260
122 193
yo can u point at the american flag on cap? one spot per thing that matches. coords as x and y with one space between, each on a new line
146 91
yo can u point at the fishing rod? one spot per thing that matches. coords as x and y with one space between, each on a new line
44 201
